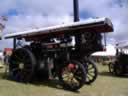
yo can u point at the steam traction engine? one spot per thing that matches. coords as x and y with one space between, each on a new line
119 66
62 51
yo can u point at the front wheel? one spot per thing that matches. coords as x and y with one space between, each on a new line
72 75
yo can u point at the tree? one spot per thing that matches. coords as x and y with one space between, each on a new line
3 19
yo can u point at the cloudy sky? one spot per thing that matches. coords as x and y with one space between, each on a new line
27 14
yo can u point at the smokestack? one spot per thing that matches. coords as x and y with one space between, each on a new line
76 10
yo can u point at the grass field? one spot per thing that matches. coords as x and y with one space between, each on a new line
105 85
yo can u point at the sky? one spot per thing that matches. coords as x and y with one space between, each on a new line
27 14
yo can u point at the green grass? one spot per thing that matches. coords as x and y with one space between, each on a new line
105 85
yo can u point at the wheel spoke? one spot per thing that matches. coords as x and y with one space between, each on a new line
78 78
90 68
91 75
15 69
17 58
91 71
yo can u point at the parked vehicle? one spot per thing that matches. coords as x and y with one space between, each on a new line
119 66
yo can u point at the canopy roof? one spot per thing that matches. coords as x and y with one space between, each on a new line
97 24
110 51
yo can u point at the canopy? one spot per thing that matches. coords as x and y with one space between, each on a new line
97 24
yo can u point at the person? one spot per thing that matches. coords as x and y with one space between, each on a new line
6 61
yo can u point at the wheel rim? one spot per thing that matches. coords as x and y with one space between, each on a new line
21 66
72 77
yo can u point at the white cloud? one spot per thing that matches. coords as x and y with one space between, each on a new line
34 14
116 10
39 13
25 22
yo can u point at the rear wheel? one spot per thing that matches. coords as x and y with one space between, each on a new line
92 71
21 65
72 75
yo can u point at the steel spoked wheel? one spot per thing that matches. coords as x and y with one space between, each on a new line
118 69
92 71
111 67
72 75
21 65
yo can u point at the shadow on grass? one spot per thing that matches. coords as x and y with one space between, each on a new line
53 84
2 75
49 83
104 73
